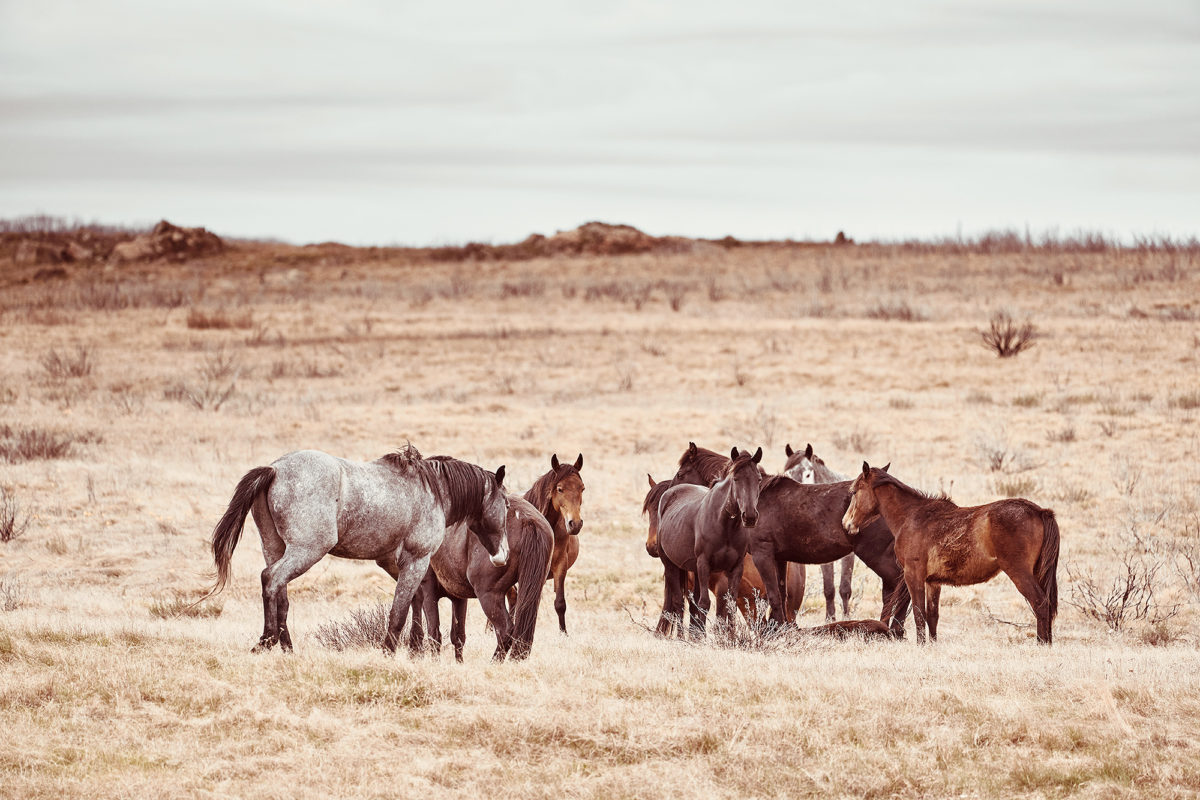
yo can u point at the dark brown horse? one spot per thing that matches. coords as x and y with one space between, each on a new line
701 466
558 496
807 467
750 591
802 523
939 544
460 569
704 530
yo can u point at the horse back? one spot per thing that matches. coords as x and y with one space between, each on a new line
803 522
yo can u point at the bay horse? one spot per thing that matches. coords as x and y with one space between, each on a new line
802 523
809 468
704 530
701 466
393 511
939 543
750 590
461 569
558 496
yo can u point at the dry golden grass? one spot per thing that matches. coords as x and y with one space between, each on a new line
109 688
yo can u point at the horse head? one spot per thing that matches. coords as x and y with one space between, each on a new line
746 479
801 467
567 493
492 529
864 504
650 507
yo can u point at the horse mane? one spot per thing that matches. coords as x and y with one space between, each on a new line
458 486
655 494
541 494
709 464
773 480
879 478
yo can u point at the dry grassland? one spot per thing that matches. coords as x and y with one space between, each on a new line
132 400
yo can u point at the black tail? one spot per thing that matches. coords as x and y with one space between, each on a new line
1045 569
537 543
225 536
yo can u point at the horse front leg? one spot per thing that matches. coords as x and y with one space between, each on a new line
458 626
497 614
914 579
700 595
933 597
671 617
846 589
560 600
409 573
732 592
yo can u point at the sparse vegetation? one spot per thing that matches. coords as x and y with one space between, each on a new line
1128 597
13 522
1007 337
65 365
364 628
33 444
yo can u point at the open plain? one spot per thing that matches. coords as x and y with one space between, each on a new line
134 396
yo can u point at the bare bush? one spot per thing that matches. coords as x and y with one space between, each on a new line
897 310
1128 597
858 441
218 381
364 628
12 592
33 444
61 366
12 522
1006 336
218 319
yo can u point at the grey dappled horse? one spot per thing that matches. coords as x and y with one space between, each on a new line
393 511
808 468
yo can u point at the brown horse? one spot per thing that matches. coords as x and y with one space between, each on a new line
460 569
703 467
750 591
558 496
703 530
939 544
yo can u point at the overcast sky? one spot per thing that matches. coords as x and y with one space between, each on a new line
391 122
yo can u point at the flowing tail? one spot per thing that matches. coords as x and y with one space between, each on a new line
1045 569
225 536
537 543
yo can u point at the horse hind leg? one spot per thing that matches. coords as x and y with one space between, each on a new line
830 593
458 626
846 588
1027 585
497 614
275 578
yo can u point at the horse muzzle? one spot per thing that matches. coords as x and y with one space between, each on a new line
749 520
849 526
501 556
653 550
574 526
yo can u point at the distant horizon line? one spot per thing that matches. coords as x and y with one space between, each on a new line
1028 237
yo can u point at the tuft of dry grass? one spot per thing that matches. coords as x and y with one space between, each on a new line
1007 337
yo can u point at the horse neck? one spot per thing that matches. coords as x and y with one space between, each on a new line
896 502
823 474
720 498
541 497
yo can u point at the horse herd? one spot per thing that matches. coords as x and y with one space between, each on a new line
441 527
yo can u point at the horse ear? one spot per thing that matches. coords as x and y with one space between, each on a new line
808 452
733 454
500 476
651 479
787 450
885 466
579 462
692 448
757 456
866 468
554 460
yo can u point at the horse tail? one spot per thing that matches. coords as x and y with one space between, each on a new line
1045 569
225 536
537 543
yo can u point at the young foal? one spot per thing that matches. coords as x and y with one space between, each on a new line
939 543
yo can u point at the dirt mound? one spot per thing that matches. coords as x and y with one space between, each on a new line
592 238
56 244
170 242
